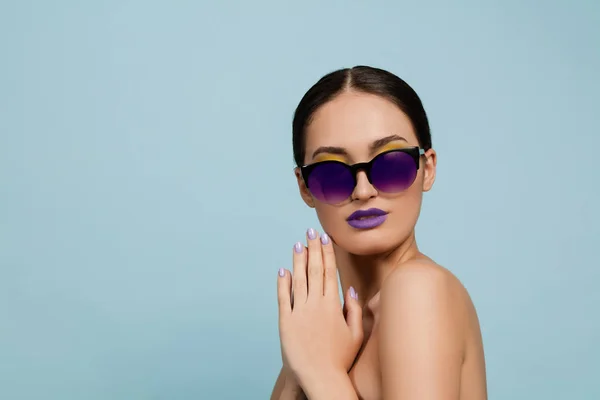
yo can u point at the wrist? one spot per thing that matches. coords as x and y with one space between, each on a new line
329 385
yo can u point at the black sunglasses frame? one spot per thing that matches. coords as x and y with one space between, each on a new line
415 152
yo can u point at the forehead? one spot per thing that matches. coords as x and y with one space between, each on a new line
354 120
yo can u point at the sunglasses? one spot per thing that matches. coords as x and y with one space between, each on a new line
392 171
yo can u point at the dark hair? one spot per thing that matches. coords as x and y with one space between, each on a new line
364 79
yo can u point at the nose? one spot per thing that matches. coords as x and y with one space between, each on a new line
363 190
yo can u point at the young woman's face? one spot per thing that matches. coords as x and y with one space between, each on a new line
354 128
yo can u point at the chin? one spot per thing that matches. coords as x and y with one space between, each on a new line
368 242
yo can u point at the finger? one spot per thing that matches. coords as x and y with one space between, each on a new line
284 293
330 269
292 296
315 264
354 315
299 282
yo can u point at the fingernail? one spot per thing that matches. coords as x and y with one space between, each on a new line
353 293
312 234
325 238
298 247
281 272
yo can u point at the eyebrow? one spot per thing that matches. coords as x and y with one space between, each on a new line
372 147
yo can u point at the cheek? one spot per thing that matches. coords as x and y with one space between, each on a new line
332 219
407 206
406 211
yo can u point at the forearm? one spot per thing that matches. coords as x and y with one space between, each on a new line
286 388
292 391
330 386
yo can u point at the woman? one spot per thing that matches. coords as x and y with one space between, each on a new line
407 329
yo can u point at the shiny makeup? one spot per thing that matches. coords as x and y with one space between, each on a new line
367 219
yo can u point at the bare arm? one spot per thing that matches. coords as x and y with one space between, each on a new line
422 333
320 365
278 388
286 388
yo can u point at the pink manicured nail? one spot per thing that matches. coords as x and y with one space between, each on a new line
298 247
325 238
353 293
281 272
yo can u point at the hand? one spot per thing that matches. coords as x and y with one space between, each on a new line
316 339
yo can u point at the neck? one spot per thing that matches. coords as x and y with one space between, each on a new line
367 273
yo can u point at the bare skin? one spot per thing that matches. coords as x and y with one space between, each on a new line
420 336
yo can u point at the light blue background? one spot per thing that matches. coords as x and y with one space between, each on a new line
147 194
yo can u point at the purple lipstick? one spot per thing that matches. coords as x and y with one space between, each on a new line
367 219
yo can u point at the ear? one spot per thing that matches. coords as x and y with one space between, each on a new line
429 169
304 193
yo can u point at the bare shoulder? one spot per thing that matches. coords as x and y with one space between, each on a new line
424 293
424 279
430 341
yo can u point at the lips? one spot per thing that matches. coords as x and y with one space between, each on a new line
363 214
367 219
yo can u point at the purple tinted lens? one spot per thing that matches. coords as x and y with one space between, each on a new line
331 182
393 172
